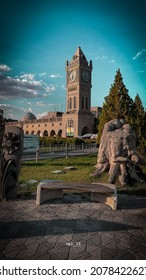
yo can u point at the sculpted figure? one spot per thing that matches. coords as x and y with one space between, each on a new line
11 152
2 128
117 152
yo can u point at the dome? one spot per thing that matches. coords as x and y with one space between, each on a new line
28 117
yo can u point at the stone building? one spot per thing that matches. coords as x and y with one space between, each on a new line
96 111
78 118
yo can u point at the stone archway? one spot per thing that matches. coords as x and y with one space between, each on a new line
59 133
52 133
38 132
85 130
45 133
32 132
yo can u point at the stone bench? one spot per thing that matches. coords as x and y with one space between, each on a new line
104 193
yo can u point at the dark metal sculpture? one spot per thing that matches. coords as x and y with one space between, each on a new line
11 152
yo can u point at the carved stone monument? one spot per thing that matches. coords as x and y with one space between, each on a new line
11 147
117 152
2 128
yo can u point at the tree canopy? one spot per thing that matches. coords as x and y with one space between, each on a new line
119 105
139 122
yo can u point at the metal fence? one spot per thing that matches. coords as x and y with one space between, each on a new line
55 151
69 147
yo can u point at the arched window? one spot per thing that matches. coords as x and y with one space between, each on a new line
75 103
86 103
45 133
85 130
82 102
70 103
59 134
52 133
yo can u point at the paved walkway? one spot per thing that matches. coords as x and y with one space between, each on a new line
73 229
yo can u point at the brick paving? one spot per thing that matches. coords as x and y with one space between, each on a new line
73 228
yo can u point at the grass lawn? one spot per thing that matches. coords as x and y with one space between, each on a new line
84 166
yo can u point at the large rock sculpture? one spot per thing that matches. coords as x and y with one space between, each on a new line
11 148
117 152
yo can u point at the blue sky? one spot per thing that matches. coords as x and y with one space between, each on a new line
37 37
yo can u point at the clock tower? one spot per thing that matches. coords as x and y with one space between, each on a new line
78 83
79 119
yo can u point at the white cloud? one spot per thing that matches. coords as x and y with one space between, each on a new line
54 76
23 86
40 103
11 88
50 88
4 68
40 115
29 83
26 76
28 110
139 54
42 74
111 61
10 110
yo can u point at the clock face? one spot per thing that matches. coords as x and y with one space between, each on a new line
72 76
85 76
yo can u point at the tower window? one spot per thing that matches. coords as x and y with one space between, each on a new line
86 103
75 102
70 103
82 102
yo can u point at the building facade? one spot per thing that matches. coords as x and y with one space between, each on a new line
78 118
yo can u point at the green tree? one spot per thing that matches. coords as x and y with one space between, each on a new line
139 122
117 105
